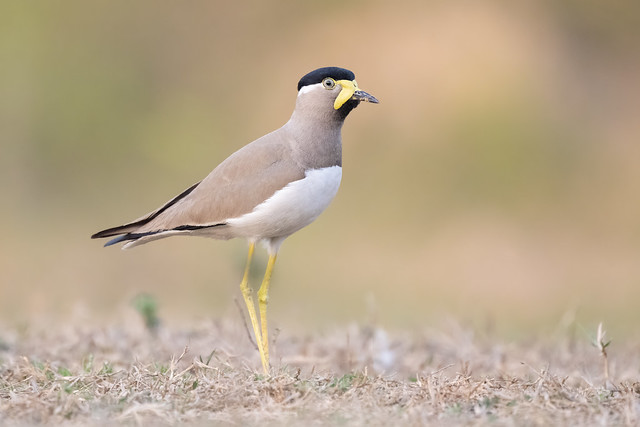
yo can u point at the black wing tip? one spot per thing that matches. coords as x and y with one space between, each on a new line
136 236
110 232
101 234
114 231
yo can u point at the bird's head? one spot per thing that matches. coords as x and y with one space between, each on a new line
332 88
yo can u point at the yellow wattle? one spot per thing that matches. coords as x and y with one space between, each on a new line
348 89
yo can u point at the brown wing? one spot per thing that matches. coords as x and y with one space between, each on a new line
241 182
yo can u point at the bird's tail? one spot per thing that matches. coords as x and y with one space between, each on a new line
128 231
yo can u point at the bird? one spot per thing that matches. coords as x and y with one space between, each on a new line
265 191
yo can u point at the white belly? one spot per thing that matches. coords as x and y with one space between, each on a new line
290 208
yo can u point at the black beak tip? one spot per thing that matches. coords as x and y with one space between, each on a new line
364 96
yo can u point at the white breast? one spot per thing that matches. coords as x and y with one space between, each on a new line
290 208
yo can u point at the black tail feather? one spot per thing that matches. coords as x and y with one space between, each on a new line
136 236
126 228
110 232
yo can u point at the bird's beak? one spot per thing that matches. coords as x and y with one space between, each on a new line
350 91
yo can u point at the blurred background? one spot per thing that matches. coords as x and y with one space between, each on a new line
497 182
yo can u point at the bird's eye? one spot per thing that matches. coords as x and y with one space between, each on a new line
329 83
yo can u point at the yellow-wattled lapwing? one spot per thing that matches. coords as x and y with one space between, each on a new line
267 190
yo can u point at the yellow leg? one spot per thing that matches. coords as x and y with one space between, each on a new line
263 299
248 300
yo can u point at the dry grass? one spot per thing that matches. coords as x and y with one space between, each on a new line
82 374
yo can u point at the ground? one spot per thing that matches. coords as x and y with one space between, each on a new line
82 373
